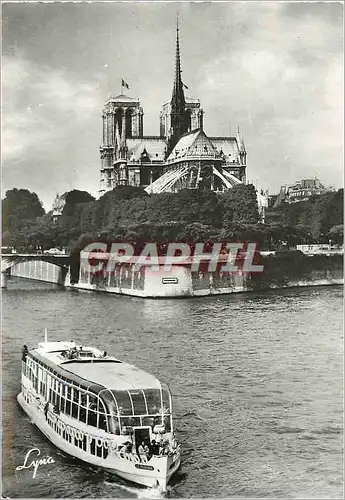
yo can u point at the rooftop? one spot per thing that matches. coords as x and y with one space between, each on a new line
193 144
154 146
123 98
91 365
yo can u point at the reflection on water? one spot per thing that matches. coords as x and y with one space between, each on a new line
256 381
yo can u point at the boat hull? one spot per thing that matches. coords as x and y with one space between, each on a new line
155 473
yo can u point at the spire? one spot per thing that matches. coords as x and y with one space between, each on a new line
240 141
178 85
238 134
178 103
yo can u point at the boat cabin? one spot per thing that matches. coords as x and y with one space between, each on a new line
86 385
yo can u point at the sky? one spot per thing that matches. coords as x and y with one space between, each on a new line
273 69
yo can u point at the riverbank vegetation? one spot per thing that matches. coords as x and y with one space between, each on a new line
130 214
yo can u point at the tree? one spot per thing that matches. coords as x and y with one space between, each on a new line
240 205
334 211
310 221
336 234
19 205
73 199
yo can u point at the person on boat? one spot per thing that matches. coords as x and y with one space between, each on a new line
173 444
154 448
146 450
129 446
24 352
46 409
141 449
125 448
165 449
158 439
105 354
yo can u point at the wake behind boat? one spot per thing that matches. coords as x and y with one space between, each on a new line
101 410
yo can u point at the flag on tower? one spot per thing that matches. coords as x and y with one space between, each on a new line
125 84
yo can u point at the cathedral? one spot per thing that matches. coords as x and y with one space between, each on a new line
181 156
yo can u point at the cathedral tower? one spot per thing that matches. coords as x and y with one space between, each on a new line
178 121
122 119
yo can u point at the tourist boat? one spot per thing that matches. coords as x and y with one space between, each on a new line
101 410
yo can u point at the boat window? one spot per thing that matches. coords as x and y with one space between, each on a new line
69 392
109 401
139 404
153 399
76 395
116 424
123 402
101 408
148 421
108 410
83 399
92 402
102 421
88 416
129 422
82 414
75 403
62 404
85 410
82 406
101 411
68 400
166 399
92 418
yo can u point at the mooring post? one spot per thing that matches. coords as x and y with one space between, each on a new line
3 279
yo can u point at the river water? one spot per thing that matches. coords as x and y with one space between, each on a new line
256 382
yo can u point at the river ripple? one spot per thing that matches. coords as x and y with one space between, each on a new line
256 381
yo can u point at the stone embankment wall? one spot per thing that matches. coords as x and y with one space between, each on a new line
287 269
40 271
284 269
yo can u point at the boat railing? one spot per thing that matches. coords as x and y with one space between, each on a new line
111 445
75 353
105 442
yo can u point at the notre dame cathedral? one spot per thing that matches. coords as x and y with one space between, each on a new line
182 156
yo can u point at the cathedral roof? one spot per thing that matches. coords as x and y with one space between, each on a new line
123 98
154 146
191 145
228 145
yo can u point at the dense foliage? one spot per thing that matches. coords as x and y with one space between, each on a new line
130 214
21 209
